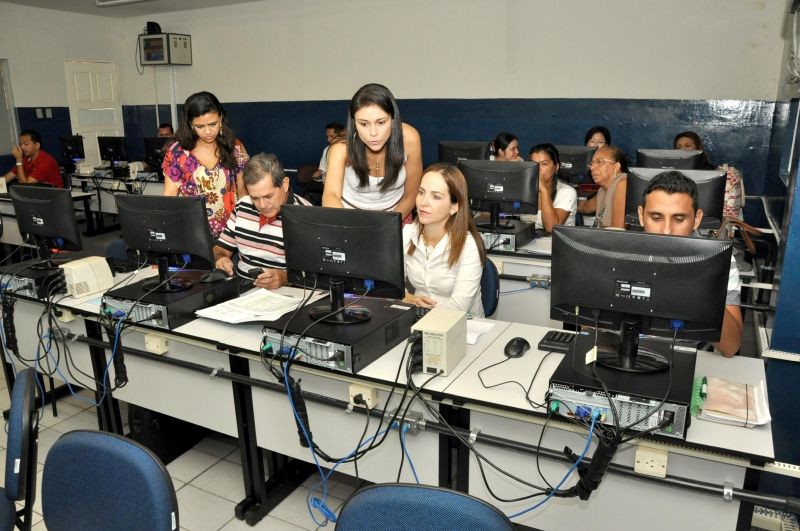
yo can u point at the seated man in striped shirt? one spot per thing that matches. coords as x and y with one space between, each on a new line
254 229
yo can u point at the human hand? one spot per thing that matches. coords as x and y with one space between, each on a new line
16 152
271 279
225 264
419 300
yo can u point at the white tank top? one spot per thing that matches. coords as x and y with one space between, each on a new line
371 197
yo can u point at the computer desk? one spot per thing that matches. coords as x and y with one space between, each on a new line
211 375
102 188
11 234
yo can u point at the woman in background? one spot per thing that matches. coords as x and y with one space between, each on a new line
609 170
597 137
379 165
444 252
505 146
206 160
557 200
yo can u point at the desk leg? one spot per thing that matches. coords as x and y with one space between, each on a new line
453 455
745 519
108 416
87 213
285 475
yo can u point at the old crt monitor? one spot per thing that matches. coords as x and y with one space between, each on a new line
710 192
154 150
453 152
639 283
497 187
342 248
575 162
47 215
670 159
165 227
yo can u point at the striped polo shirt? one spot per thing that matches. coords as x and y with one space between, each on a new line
259 246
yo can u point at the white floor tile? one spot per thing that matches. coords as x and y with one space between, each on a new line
267 524
216 446
65 411
77 402
85 420
190 465
223 479
47 437
200 511
295 510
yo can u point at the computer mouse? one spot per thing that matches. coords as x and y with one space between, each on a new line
516 347
214 276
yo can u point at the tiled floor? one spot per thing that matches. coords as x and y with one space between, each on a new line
207 478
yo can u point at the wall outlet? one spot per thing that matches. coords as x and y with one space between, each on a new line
651 462
155 344
369 394
65 316
39 113
48 113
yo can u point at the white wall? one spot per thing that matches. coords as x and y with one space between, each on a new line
37 41
275 50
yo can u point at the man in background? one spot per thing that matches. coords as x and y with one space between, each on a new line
33 164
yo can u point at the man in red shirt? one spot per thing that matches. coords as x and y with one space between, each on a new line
33 164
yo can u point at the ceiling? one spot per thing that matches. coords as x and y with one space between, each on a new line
142 8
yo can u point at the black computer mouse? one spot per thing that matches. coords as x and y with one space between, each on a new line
214 276
517 347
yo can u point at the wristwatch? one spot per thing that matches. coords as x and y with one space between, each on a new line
19 164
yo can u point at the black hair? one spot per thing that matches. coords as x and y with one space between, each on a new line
698 143
336 126
501 142
551 152
36 138
198 104
375 94
672 182
167 125
597 129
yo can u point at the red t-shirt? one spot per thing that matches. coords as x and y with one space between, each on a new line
43 168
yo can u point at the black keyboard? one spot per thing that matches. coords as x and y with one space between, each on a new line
557 341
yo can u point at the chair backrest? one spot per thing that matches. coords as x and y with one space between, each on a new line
21 445
490 288
305 173
99 480
396 506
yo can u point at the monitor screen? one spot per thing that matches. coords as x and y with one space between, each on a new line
167 226
154 149
710 191
641 282
112 148
453 152
575 162
345 250
668 159
502 186
71 148
48 215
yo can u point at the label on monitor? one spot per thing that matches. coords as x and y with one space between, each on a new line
156 236
632 290
333 255
496 188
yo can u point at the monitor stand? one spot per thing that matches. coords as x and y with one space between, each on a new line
624 353
494 220
349 315
160 284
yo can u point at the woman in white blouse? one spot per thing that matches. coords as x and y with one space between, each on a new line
444 252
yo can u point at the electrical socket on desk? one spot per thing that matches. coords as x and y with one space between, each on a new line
651 462
368 394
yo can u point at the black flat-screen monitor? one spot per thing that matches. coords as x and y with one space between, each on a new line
670 159
112 148
710 192
452 152
71 148
154 150
575 162
501 187
47 215
166 227
639 283
347 250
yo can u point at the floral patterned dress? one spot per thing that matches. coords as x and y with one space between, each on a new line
217 185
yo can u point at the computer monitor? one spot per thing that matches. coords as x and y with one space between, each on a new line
501 187
344 248
452 152
575 162
637 282
112 149
154 150
710 192
670 159
47 215
165 227
71 148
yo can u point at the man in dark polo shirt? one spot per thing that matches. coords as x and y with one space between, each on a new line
33 165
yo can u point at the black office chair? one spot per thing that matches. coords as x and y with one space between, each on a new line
23 429
490 288
99 480
402 506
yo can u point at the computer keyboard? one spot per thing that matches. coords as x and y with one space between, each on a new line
557 341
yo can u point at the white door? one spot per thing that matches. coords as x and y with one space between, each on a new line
95 107
8 120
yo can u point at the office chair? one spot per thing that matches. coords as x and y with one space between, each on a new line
99 480
490 288
401 506
23 429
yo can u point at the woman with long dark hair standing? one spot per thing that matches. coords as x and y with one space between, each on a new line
206 160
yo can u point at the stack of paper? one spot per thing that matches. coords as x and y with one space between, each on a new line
258 305
735 403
